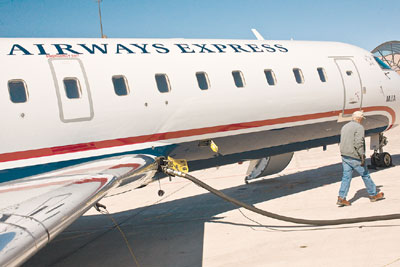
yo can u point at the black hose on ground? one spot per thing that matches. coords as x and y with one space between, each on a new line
277 216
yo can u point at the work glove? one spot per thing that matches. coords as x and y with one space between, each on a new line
363 160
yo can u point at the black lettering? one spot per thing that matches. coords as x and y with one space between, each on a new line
184 48
122 47
160 48
238 48
41 49
61 47
143 48
203 47
18 48
220 47
281 48
94 47
255 48
268 48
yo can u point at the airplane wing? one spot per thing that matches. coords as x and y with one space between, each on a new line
34 210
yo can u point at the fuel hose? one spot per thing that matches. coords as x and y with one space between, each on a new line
277 216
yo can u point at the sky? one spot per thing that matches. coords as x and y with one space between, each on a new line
363 23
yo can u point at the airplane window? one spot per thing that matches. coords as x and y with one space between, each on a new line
120 85
202 80
17 90
349 73
270 76
163 84
322 75
238 78
72 88
298 74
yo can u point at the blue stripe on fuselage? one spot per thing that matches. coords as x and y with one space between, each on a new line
18 173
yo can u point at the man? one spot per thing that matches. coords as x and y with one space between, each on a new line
352 149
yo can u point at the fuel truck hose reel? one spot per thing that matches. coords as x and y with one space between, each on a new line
236 202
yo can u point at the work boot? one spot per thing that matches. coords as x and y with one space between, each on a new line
377 197
342 202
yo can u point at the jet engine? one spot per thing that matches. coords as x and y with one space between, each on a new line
267 166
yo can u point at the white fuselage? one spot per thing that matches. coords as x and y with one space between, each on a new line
50 128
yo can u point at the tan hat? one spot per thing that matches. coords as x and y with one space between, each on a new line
358 114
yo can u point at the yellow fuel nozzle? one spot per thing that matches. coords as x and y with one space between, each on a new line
178 165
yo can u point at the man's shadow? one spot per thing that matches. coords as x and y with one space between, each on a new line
362 193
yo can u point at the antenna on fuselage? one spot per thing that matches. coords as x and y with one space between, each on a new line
257 34
101 24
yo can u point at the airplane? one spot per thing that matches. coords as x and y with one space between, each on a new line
82 116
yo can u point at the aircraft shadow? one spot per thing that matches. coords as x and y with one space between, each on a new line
170 233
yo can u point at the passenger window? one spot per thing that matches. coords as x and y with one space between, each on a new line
349 73
18 91
163 84
322 75
202 80
270 76
72 88
298 75
120 85
238 78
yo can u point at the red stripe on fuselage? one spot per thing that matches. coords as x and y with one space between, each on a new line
43 152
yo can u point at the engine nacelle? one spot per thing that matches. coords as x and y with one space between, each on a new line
267 166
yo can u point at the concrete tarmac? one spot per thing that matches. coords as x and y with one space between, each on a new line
190 227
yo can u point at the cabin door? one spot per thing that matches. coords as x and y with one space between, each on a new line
72 88
351 84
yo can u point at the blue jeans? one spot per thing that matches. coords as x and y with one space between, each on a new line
350 164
